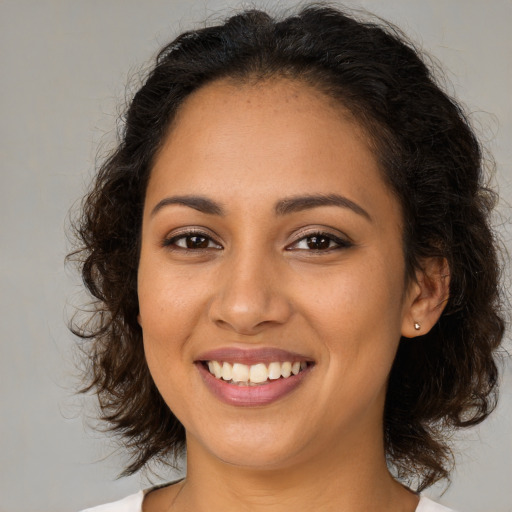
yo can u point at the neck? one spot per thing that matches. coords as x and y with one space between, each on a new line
351 478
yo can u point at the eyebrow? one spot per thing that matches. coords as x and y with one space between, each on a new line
200 203
300 203
282 207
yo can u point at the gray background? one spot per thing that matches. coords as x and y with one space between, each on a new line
63 70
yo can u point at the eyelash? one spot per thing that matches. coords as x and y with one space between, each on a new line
340 242
170 243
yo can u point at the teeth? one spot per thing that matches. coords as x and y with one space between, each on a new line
274 371
286 369
227 371
256 373
240 373
215 368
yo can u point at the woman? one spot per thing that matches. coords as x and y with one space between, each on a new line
296 280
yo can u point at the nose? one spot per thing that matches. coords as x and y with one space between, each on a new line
250 296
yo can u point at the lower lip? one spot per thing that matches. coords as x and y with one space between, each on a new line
251 396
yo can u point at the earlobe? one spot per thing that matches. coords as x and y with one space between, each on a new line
427 298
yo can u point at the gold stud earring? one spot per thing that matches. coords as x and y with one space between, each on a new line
417 326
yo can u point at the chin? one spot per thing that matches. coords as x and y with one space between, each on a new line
254 448
256 460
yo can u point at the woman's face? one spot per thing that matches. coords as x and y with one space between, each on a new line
270 238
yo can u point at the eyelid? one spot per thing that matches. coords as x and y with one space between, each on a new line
169 239
341 239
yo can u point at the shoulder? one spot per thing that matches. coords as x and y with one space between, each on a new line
426 505
132 503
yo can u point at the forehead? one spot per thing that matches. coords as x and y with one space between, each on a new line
231 101
282 92
269 137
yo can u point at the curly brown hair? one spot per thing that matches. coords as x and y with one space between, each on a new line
431 160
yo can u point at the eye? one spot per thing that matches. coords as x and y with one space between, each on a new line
191 240
320 242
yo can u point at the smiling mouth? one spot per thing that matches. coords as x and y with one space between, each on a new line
256 374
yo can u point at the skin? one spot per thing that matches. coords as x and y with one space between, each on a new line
258 284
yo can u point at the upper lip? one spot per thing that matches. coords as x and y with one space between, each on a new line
251 356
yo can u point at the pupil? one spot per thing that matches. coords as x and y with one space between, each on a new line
318 242
197 242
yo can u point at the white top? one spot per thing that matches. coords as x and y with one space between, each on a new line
133 503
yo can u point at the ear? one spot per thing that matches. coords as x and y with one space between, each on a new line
426 297
139 319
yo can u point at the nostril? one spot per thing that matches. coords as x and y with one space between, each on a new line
248 315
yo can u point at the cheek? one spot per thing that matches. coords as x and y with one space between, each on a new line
167 314
168 311
167 299
359 326
357 314
362 296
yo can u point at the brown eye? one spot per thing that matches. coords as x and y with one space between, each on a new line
318 242
191 241
196 242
